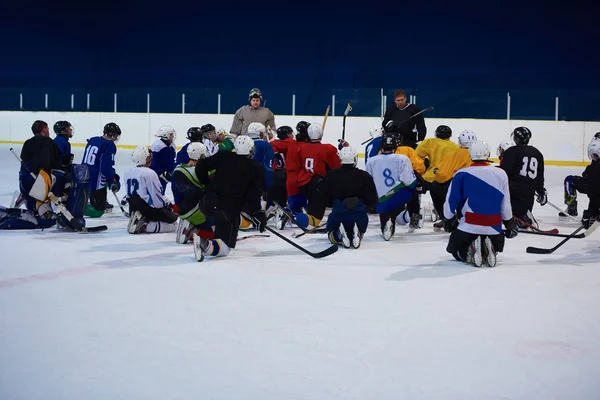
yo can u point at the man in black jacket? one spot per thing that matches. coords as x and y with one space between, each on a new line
235 186
411 130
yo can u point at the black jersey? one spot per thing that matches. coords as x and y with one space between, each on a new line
524 166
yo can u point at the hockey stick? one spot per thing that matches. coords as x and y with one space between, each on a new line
120 205
250 237
408 119
325 119
589 231
59 205
564 212
324 253
348 109
562 235
316 230
527 224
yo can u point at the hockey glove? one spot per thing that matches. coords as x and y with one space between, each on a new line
588 219
451 224
115 185
342 143
512 229
166 176
259 220
542 197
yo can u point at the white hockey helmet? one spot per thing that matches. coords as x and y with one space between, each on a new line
140 155
466 138
479 151
594 148
243 145
165 132
196 150
503 146
348 155
376 131
255 129
315 132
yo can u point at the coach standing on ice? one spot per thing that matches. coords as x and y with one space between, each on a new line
252 113
411 130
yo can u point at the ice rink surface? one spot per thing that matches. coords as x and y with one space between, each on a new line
119 316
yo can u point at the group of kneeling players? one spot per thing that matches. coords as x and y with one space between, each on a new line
221 185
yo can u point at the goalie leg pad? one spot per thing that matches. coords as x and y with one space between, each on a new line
15 218
41 186
80 190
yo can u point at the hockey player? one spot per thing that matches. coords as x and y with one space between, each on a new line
592 213
524 166
584 183
187 193
40 155
150 209
412 130
223 140
163 155
374 146
316 159
209 135
235 185
395 181
194 135
277 191
446 169
251 113
502 148
435 149
477 204
64 131
296 201
99 156
352 192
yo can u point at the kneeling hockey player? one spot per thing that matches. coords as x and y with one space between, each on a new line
477 204
352 192
150 210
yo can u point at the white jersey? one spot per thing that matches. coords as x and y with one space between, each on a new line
390 170
144 182
212 148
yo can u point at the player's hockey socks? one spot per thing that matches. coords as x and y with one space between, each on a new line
216 248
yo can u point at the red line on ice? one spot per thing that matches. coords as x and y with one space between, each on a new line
48 276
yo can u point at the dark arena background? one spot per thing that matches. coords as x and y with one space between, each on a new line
463 58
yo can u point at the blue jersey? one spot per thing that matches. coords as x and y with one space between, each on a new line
99 156
373 148
264 154
182 156
64 145
163 157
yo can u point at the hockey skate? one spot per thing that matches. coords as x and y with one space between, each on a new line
438 226
200 247
184 232
416 222
137 223
571 210
344 236
17 200
474 255
388 230
489 253
357 237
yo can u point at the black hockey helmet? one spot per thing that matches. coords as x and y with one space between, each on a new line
284 132
443 132
391 127
597 135
207 129
62 127
389 141
302 130
194 134
521 136
112 129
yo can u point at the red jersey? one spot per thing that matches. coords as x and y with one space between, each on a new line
281 147
292 166
317 158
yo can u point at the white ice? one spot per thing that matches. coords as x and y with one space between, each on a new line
119 316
